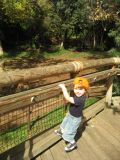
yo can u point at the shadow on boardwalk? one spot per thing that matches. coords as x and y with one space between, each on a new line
99 139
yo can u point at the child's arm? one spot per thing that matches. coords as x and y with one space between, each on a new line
65 93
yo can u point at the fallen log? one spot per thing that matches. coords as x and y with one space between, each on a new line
8 78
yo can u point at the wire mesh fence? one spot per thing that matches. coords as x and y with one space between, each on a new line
16 126
23 122
19 125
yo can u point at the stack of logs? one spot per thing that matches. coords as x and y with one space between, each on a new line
12 81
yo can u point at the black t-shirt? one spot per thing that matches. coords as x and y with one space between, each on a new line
76 108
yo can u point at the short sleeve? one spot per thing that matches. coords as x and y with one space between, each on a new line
79 101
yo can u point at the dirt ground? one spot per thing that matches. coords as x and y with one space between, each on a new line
36 62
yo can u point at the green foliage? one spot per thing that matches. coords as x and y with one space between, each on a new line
69 20
18 11
114 52
24 12
73 23
116 35
91 101
116 86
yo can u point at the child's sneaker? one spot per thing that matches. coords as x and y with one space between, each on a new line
70 147
58 132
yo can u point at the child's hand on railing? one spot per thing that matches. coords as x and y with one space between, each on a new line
62 85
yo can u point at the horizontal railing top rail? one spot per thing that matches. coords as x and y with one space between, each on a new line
10 77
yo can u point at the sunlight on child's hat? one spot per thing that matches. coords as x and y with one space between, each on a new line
82 81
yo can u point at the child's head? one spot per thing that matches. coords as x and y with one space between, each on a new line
81 85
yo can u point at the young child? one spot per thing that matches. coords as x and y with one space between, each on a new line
71 122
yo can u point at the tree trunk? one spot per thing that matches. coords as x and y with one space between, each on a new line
66 39
1 49
94 37
94 41
61 45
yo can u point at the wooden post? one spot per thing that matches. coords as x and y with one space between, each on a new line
108 98
29 127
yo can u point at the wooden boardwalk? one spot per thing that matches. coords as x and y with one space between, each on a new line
100 140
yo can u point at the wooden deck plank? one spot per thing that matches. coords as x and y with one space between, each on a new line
107 134
38 158
94 147
58 152
74 154
107 145
111 118
85 150
108 127
114 111
108 149
46 156
110 141
93 133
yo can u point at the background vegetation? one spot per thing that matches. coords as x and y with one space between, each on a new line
31 27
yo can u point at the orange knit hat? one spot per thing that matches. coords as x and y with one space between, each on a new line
82 81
